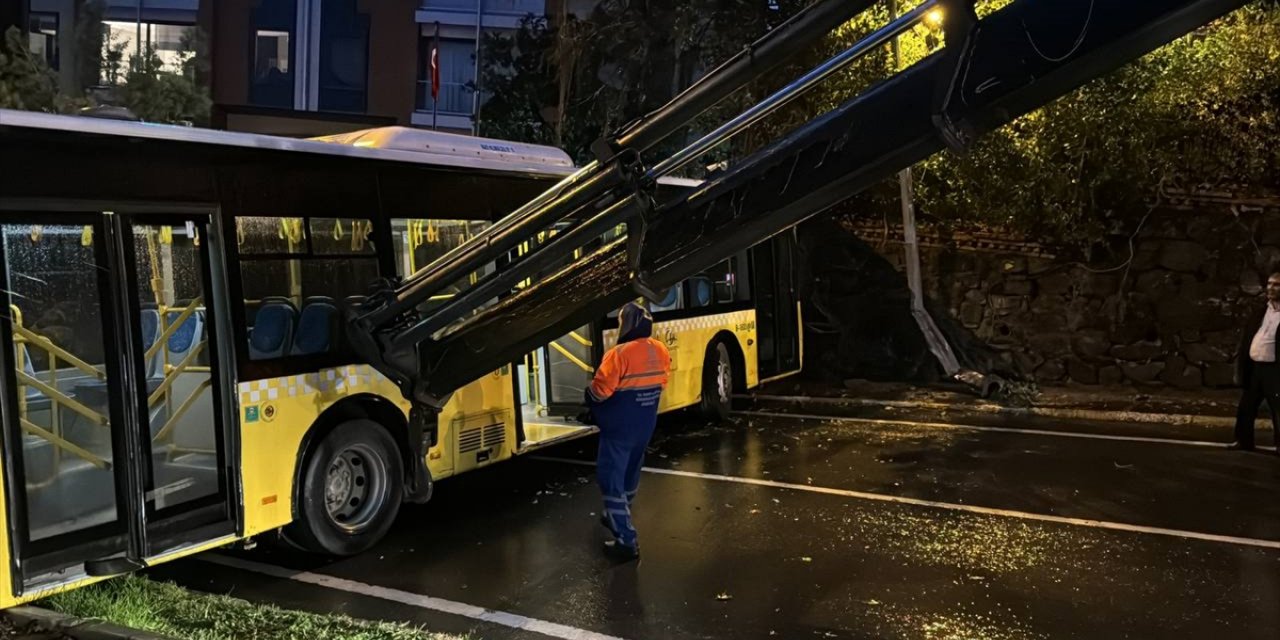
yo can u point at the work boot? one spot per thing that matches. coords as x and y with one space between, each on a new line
619 552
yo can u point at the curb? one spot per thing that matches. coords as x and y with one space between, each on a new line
78 628
1044 412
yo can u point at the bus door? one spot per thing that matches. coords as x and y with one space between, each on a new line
114 405
570 365
777 321
551 381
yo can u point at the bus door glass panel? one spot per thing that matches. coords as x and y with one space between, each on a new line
63 450
179 381
766 300
569 367
775 301
788 323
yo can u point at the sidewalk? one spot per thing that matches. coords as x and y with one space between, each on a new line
1207 407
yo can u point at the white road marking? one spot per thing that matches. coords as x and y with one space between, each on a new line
420 601
971 427
966 508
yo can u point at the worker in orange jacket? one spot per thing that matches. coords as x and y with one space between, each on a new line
623 399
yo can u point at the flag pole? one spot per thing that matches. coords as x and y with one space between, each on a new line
434 79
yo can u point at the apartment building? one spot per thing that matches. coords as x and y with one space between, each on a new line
295 67
460 24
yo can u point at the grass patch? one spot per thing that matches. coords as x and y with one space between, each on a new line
167 609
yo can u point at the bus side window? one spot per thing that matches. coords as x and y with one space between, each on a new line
723 284
673 300
420 241
701 291
293 275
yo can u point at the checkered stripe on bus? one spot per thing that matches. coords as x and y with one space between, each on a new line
725 321
338 379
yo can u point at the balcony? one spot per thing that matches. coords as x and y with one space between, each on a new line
456 98
497 14
157 11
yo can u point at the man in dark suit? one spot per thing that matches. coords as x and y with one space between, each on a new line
1256 367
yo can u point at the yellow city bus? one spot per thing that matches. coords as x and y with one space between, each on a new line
175 370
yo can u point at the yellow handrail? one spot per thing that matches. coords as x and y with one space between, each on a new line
581 340
173 327
171 376
572 358
63 443
32 338
172 422
63 399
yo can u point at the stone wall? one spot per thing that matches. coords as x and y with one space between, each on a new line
1171 316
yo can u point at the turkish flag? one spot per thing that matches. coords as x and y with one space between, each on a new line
435 69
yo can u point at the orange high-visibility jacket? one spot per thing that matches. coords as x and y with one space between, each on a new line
640 365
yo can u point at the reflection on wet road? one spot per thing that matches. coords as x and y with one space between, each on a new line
858 530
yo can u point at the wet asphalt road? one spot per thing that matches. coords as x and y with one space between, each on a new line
867 529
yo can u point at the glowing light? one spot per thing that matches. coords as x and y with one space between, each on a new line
934 17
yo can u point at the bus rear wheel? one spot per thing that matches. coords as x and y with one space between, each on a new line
717 383
351 490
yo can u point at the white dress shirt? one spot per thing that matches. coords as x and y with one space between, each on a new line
1263 347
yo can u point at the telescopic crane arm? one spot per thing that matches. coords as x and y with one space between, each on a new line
991 71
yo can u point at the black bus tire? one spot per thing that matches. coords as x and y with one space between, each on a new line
717 382
351 491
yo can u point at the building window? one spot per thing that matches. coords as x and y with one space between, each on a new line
271 78
344 57
503 7
457 75
270 55
169 43
43 36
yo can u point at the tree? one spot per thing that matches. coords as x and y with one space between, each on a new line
158 94
1082 171
91 38
26 82
569 84
1200 112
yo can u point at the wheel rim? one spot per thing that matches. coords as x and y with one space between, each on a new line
355 487
724 376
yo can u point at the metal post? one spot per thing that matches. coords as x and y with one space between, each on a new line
475 98
137 41
433 71
911 248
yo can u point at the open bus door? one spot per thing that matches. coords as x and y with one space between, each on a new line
777 313
552 380
115 410
570 361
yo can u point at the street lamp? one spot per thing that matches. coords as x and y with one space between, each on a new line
934 17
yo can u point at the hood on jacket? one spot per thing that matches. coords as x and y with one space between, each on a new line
634 322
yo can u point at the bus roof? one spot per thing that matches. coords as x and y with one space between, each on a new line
453 145
400 144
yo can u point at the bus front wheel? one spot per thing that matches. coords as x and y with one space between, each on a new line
717 382
351 490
